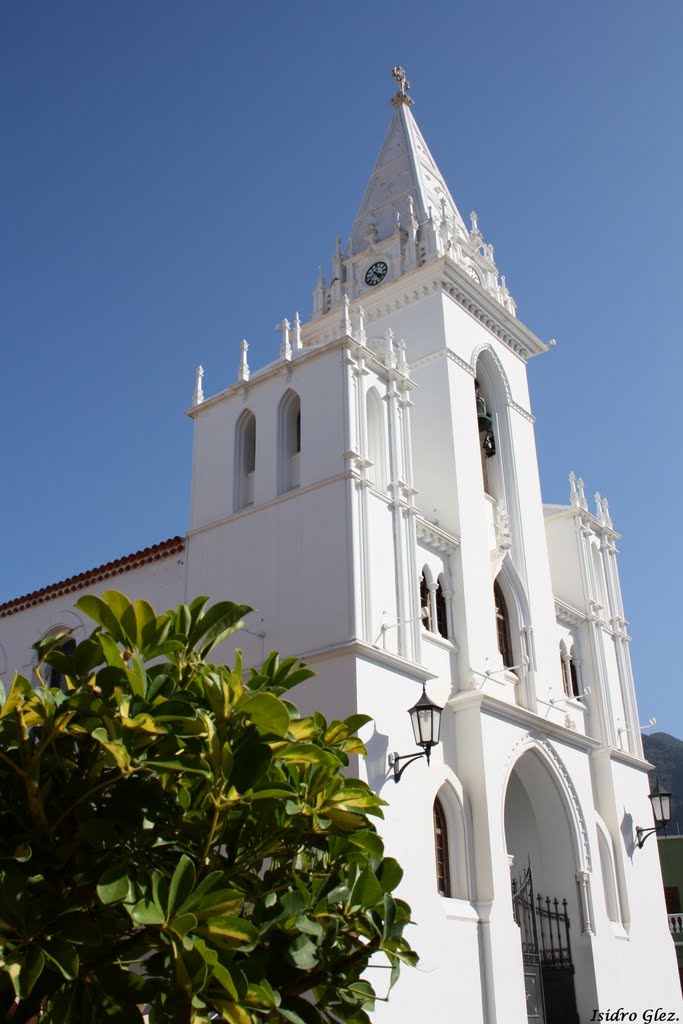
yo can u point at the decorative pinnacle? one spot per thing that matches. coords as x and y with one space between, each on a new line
403 86
198 395
243 370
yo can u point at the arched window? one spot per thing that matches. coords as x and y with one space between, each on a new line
574 685
55 678
503 627
375 433
425 603
289 426
487 441
570 675
245 460
443 871
441 613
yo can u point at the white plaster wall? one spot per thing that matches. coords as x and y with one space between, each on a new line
162 583
288 559
565 568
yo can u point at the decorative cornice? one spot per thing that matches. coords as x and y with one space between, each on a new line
155 553
511 331
522 411
462 363
568 615
361 649
435 537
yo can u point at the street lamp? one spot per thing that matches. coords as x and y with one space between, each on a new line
661 811
425 718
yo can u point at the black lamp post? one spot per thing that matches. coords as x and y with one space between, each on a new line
661 811
425 718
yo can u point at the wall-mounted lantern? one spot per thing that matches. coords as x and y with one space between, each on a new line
425 718
661 811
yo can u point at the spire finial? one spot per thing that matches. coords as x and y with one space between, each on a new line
198 395
243 370
285 347
403 86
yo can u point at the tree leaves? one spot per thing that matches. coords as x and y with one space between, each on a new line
173 833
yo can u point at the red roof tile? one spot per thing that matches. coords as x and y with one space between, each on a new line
165 549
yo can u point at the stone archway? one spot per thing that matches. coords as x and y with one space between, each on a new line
545 839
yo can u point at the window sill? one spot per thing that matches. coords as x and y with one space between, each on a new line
575 704
437 640
459 909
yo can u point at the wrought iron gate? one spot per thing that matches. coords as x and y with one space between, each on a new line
546 954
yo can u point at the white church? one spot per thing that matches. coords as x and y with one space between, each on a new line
374 494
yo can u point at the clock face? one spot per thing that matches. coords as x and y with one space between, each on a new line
376 273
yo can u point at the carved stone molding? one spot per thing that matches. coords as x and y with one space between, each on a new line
532 740
434 537
460 362
522 412
567 615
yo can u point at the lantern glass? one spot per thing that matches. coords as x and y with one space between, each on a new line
426 721
661 806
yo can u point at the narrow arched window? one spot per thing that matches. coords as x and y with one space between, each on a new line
441 613
245 460
503 627
55 677
564 665
425 604
289 429
570 675
574 684
443 871
375 435
487 441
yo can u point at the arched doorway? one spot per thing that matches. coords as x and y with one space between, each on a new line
545 846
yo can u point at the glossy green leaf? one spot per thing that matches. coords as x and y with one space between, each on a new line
63 955
267 712
304 953
229 932
145 912
114 885
182 884
31 970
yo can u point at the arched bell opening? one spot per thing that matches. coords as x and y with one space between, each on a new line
551 892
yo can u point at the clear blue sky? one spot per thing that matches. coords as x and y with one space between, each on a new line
173 173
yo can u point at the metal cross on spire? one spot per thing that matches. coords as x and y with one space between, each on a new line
403 86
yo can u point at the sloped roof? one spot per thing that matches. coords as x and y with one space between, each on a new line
166 548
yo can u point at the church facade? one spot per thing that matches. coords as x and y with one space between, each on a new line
374 494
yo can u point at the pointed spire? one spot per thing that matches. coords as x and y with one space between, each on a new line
198 394
605 512
405 178
345 323
573 493
285 347
361 336
243 369
389 351
599 513
402 360
582 495
297 332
